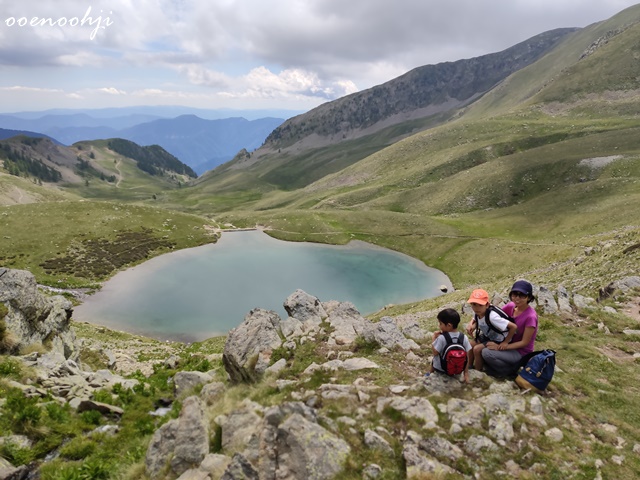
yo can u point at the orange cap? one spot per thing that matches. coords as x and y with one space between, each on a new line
479 296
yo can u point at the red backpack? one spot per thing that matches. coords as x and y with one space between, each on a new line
453 357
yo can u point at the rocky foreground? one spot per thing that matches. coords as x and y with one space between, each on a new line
321 394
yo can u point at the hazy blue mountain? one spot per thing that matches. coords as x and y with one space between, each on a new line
6 133
71 135
201 143
155 112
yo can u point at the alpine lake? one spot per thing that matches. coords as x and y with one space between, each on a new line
199 293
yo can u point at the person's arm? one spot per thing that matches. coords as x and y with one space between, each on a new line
512 328
435 336
471 327
526 338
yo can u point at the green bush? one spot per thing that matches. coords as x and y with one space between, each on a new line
197 363
92 417
58 413
103 396
15 454
21 413
10 367
78 449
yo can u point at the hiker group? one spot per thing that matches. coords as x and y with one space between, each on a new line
502 340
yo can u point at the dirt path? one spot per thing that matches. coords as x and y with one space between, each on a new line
119 173
632 309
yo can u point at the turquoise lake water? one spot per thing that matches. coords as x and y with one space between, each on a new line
194 294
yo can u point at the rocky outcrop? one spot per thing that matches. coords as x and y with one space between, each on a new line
32 318
247 351
180 444
423 426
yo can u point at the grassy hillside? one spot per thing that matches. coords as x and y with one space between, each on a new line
79 243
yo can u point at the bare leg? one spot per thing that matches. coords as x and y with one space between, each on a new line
477 356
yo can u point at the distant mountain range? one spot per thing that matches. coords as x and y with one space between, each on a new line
201 143
5 133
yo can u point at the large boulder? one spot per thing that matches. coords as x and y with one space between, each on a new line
387 334
180 444
304 307
33 318
307 450
346 322
247 351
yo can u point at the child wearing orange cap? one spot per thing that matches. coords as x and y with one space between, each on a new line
489 324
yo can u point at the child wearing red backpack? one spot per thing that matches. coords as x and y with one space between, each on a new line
451 348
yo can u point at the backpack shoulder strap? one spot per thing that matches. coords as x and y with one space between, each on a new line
499 311
447 338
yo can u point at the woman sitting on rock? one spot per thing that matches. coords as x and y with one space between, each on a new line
504 360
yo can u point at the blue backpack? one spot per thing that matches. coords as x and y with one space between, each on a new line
538 371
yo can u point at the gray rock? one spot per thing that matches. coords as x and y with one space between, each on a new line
195 474
215 464
240 428
387 334
212 392
376 442
547 301
240 469
247 351
441 448
304 307
160 449
465 413
346 323
20 441
418 463
583 302
330 391
171 362
191 436
276 415
352 364
416 407
292 327
477 443
33 317
371 472
277 367
535 405
182 443
103 408
306 450
185 382
554 434
501 428
564 300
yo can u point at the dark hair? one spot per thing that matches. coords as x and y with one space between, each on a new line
449 315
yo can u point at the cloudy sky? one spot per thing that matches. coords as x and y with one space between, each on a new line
249 54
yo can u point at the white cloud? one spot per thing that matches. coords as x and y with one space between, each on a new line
279 49
112 91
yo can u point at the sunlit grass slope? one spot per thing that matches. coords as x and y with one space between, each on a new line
85 233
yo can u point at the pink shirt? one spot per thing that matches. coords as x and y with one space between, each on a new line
528 318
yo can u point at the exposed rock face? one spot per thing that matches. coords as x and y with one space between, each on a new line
304 307
33 318
247 351
182 443
307 450
387 334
